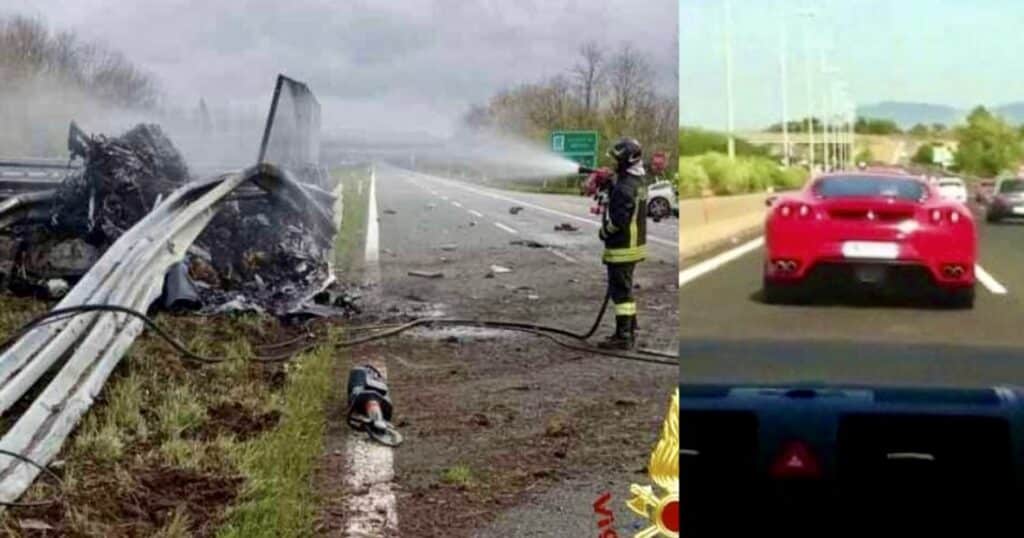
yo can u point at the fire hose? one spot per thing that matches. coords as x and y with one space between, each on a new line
369 406
648 356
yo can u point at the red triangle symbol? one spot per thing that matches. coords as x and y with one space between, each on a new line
795 461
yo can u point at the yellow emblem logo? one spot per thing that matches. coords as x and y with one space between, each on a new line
661 507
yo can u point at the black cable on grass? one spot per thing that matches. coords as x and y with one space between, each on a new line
533 328
160 331
47 471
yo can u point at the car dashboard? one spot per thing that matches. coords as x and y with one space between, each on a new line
850 460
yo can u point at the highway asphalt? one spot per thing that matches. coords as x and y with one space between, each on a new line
728 334
430 224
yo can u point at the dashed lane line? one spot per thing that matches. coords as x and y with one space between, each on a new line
506 228
562 255
523 203
692 273
987 280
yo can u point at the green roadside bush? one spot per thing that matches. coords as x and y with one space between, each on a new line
724 176
692 178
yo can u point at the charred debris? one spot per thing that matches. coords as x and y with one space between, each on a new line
259 253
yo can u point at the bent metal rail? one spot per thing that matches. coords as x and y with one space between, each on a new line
129 274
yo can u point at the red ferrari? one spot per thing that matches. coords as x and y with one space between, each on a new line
869 231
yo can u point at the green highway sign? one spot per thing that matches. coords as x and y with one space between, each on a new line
579 146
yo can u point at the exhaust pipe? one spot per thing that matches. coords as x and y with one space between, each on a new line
953 271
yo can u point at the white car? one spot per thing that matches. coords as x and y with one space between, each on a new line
662 200
953 188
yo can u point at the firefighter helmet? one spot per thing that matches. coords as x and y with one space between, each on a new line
626 150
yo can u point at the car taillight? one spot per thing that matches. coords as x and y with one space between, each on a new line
948 215
789 209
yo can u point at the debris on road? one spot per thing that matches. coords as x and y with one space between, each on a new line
515 209
390 212
527 243
448 247
566 227
498 269
431 205
427 274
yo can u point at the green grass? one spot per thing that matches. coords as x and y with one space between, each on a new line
155 413
458 475
278 497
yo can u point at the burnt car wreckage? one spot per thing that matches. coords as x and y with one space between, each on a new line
131 227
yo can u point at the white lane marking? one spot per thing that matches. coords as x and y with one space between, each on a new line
534 206
506 228
372 231
988 281
476 214
691 273
562 255
456 204
371 508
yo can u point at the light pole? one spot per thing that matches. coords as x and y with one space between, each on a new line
784 82
827 95
809 15
728 77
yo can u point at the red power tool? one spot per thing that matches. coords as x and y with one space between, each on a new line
597 185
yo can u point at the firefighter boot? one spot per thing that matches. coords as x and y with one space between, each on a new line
623 337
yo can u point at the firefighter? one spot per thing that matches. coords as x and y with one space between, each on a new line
624 232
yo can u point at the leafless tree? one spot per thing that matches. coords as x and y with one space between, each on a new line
629 82
589 76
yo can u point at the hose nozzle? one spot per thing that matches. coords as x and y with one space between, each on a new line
587 170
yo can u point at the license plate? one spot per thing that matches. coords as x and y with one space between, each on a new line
1019 210
875 250
869 274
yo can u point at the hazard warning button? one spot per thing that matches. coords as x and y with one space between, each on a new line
795 460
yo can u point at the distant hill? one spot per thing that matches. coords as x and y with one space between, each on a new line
1012 112
907 114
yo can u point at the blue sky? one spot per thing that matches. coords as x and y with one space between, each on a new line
951 52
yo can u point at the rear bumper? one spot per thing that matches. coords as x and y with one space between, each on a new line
904 277
912 269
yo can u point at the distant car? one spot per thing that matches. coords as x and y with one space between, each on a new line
662 200
983 192
1007 200
953 188
873 231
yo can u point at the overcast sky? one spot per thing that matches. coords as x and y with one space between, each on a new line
950 52
410 65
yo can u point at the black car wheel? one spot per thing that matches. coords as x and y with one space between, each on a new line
659 208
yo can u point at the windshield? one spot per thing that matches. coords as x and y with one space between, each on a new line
1012 185
869 186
